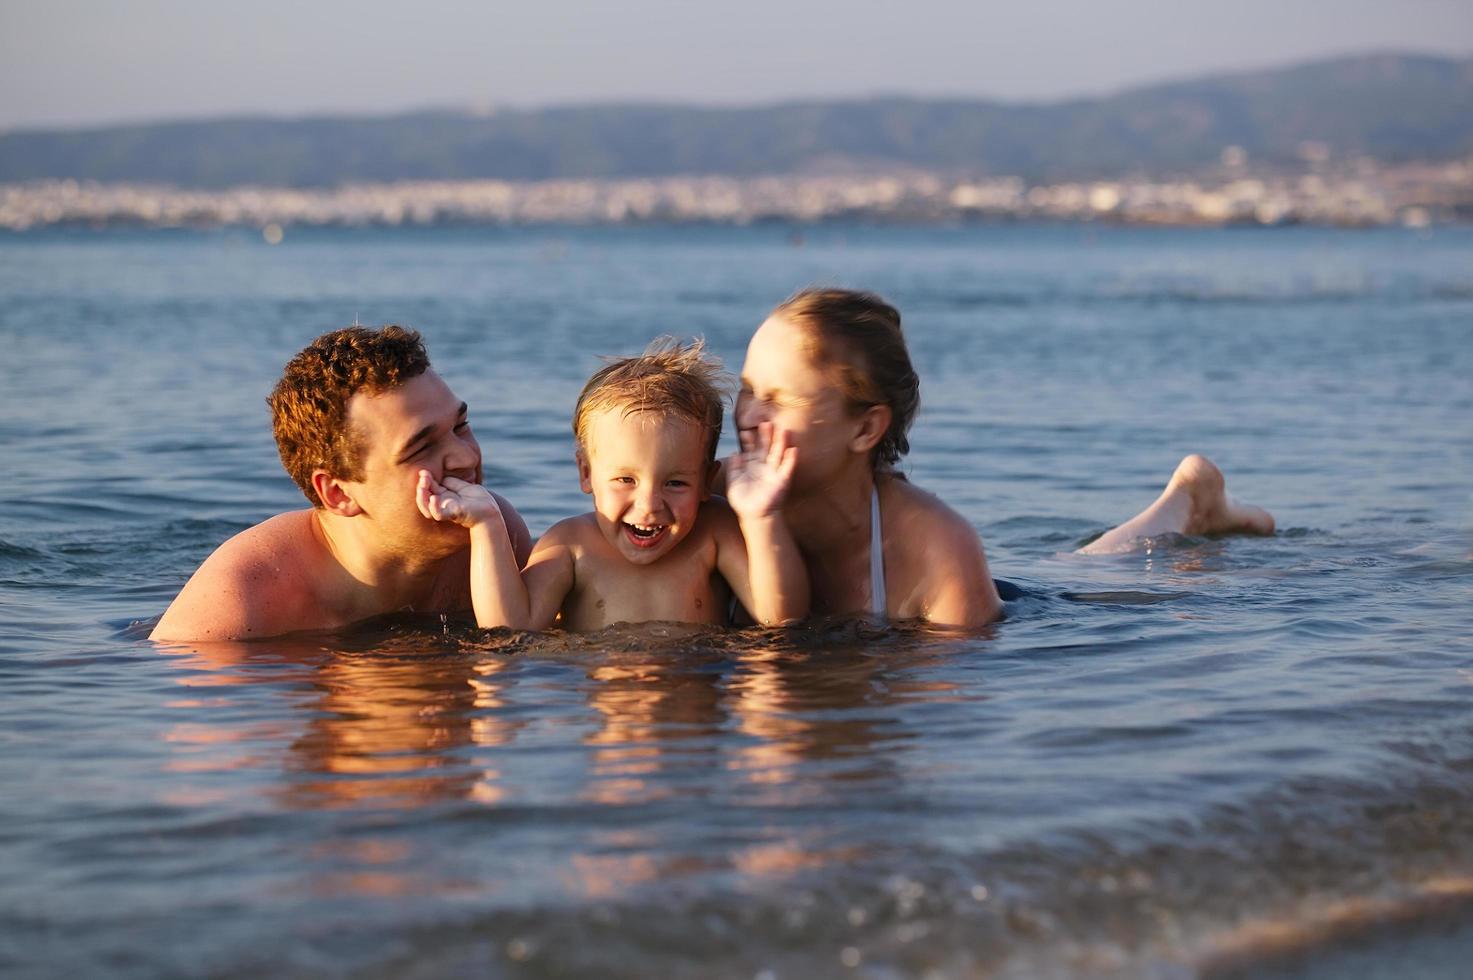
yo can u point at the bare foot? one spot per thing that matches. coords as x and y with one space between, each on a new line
1194 502
1213 509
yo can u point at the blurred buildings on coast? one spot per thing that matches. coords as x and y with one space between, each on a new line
1356 193
1358 140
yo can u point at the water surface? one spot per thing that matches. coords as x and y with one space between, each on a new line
1208 757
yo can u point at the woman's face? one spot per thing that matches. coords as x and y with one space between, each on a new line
782 385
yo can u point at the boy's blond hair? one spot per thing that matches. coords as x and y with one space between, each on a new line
669 379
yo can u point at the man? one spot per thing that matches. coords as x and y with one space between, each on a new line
357 415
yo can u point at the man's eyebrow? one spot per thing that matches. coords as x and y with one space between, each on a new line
424 434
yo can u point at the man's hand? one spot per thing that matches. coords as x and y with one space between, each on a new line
455 501
758 477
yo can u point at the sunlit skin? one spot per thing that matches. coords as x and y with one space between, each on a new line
1195 502
656 546
935 567
368 550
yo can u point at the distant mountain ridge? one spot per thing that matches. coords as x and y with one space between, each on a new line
1389 107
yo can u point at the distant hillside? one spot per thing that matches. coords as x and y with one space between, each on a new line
1389 107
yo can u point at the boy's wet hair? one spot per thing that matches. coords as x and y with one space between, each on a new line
309 406
669 379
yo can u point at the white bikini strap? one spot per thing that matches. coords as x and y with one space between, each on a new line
876 557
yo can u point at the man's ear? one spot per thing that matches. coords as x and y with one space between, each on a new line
585 471
335 496
874 422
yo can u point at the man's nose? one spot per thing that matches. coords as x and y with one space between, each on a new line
463 457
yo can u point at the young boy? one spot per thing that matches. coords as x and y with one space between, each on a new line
657 545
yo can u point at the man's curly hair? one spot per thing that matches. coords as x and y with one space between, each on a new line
309 405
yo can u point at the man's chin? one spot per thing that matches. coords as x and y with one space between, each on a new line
445 536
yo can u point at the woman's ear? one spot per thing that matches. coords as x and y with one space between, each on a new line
335 496
874 422
585 471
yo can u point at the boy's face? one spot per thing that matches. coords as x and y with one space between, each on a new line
648 474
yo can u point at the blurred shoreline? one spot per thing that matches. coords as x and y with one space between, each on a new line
1363 194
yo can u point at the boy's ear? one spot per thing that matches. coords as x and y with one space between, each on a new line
585 472
335 496
874 422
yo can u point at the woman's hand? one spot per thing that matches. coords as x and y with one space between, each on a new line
455 501
758 477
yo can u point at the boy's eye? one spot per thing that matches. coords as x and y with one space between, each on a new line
624 479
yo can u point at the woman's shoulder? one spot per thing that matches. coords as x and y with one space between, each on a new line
936 557
923 519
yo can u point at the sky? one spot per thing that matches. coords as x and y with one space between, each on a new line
68 63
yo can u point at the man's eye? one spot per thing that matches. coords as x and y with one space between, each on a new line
463 425
676 483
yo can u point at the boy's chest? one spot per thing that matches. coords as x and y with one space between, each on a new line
673 590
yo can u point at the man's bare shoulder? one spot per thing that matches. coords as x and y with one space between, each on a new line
516 529
258 583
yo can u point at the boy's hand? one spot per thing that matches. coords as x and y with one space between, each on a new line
757 478
455 501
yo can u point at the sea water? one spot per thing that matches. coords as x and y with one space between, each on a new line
1238 756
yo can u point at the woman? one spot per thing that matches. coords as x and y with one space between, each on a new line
830 369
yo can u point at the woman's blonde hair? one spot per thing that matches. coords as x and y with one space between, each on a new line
855 338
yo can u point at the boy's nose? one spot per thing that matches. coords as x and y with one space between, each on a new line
649 504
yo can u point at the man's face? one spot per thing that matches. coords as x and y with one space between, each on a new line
648 474
420 425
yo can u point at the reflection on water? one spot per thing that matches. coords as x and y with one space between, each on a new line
390 734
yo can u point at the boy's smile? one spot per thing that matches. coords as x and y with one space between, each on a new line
648 474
